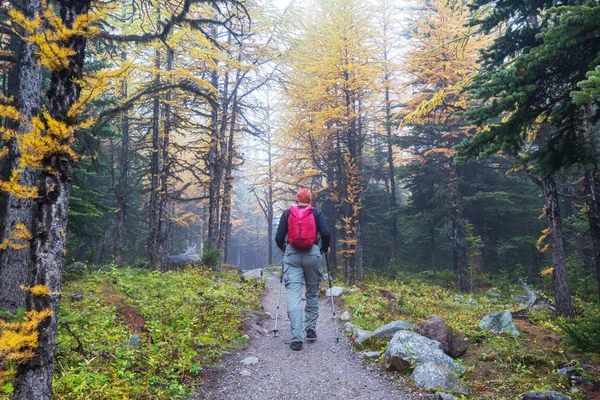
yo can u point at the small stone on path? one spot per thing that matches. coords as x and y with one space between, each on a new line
335 291
245 372
249 361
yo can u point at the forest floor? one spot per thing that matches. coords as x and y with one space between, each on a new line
323 369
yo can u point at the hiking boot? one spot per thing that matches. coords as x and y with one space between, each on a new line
296 345
311 334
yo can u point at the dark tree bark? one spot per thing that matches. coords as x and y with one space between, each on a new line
459 243
163 218
122 185
561 286
215 171
592 188
26 88
154 253
34 378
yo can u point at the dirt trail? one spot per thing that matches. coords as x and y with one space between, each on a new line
321 370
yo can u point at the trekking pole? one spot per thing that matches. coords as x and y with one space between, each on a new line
275 331
337 335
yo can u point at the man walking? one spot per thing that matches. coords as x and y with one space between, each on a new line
302 263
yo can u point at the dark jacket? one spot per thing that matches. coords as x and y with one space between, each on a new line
322 229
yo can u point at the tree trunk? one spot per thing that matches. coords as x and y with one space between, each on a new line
122 186
592 187
459 244
34 378
26 88
214 166
561 286
153 211
163 218
391 171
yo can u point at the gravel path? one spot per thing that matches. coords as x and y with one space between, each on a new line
323 369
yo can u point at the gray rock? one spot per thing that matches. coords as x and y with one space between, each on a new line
245 337
565 372
385 331
471 302
249 361
349 327
408 348
372 354
236 285
437 376
134 340
493 292
76 296
345 316
75 269
245 372
220 281
444 396
190 256
453 342
545 396
253 274
325 276
335 291
499 322
354 290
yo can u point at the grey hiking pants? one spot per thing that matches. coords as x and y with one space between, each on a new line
299 267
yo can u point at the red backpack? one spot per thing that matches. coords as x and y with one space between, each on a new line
302 228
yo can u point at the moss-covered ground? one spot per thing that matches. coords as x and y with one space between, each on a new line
139 334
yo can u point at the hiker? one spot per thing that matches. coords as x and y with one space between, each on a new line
302 263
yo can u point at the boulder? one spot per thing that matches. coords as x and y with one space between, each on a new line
566 371
385 331
431 376
345 316
75 269
499 322
335 291
545 396
253 274
189 256
452 341
249 361
444 396
408 348
76 296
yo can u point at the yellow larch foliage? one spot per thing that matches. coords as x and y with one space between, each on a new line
540 243
38 290
18 339
18 238
48 33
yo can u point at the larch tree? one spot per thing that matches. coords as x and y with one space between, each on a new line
441 61
331 77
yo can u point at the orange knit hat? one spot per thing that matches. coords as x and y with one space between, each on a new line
304 196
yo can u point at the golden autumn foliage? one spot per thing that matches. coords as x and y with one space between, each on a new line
18 238
18 339
48 33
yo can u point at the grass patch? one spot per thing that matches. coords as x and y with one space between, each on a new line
146 334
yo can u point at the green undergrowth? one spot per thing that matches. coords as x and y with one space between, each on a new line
190 318
498 366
